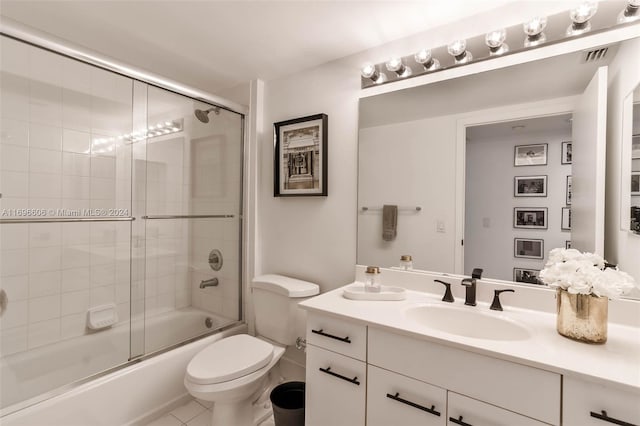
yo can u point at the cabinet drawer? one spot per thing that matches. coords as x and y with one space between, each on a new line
581 398
393 399
498 382
465 411
336 389
344 337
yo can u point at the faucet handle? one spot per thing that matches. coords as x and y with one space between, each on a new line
495 305
448 297
477 273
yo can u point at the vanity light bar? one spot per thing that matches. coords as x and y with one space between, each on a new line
589 17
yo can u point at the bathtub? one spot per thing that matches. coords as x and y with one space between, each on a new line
25 376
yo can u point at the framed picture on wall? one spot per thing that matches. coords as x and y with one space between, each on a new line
525 275
566 219
530 155
635 183
528 248
566 153
530 186
568 191
300 157
567 244
530 217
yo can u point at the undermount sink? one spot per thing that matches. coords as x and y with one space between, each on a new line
467 322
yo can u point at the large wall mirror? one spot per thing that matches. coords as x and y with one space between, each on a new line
490 170
635 162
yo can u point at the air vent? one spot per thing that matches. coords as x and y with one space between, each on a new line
595 55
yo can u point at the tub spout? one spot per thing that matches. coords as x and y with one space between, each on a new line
213 282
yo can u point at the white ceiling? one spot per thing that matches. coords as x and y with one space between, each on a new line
215 45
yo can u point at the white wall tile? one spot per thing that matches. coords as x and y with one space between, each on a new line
14 184
14 262
14 101
16 287
76 234
43 259
76 187
44 308
76 76
76 164
103 189
15 315
45 185
75 302
77 256
45 161
123 293
73 326
75 141
14 158
14 132
76 110
15 56
46 204
45 137
45 104
14 236
45 284
76 279
103 295
102 275
43 333
13 340
45 66
45 234
103 167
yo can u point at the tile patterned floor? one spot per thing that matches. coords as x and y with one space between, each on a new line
193 413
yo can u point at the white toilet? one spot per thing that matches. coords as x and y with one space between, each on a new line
233 371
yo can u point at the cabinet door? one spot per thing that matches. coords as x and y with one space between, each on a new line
336 389
463 411
393 399
593 404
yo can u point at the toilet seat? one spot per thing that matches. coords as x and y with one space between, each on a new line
228 359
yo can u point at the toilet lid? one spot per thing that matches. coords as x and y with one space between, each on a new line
228 359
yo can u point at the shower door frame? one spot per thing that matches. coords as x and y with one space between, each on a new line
18 32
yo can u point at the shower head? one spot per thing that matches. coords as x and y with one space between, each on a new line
204 115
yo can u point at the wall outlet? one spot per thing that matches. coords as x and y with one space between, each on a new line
440 226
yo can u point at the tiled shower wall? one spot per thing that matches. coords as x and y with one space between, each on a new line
56 158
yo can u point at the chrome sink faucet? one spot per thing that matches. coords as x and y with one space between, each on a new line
470 284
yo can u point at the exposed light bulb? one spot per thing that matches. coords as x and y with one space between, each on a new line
396 65
371 72
534 29
424 58
580 18
630 13
495 41
458 49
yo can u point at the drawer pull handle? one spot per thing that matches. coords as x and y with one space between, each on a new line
331 336
340 376
414 405
459 421
606 418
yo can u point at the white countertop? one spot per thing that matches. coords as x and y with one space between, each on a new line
617 362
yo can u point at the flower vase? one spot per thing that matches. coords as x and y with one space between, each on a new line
582 317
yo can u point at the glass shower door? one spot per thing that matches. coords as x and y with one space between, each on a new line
192 219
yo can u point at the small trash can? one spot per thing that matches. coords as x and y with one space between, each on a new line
287 400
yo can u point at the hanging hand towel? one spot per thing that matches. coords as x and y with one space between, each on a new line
389 222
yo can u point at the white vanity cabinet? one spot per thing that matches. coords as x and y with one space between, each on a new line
336 372
465 411
593 404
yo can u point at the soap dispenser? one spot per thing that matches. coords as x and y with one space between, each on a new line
372 279
406 262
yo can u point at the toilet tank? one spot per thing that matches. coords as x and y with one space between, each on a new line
275 304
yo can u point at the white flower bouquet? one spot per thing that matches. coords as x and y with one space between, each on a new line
585 273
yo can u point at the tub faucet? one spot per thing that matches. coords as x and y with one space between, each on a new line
213 282
470 284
